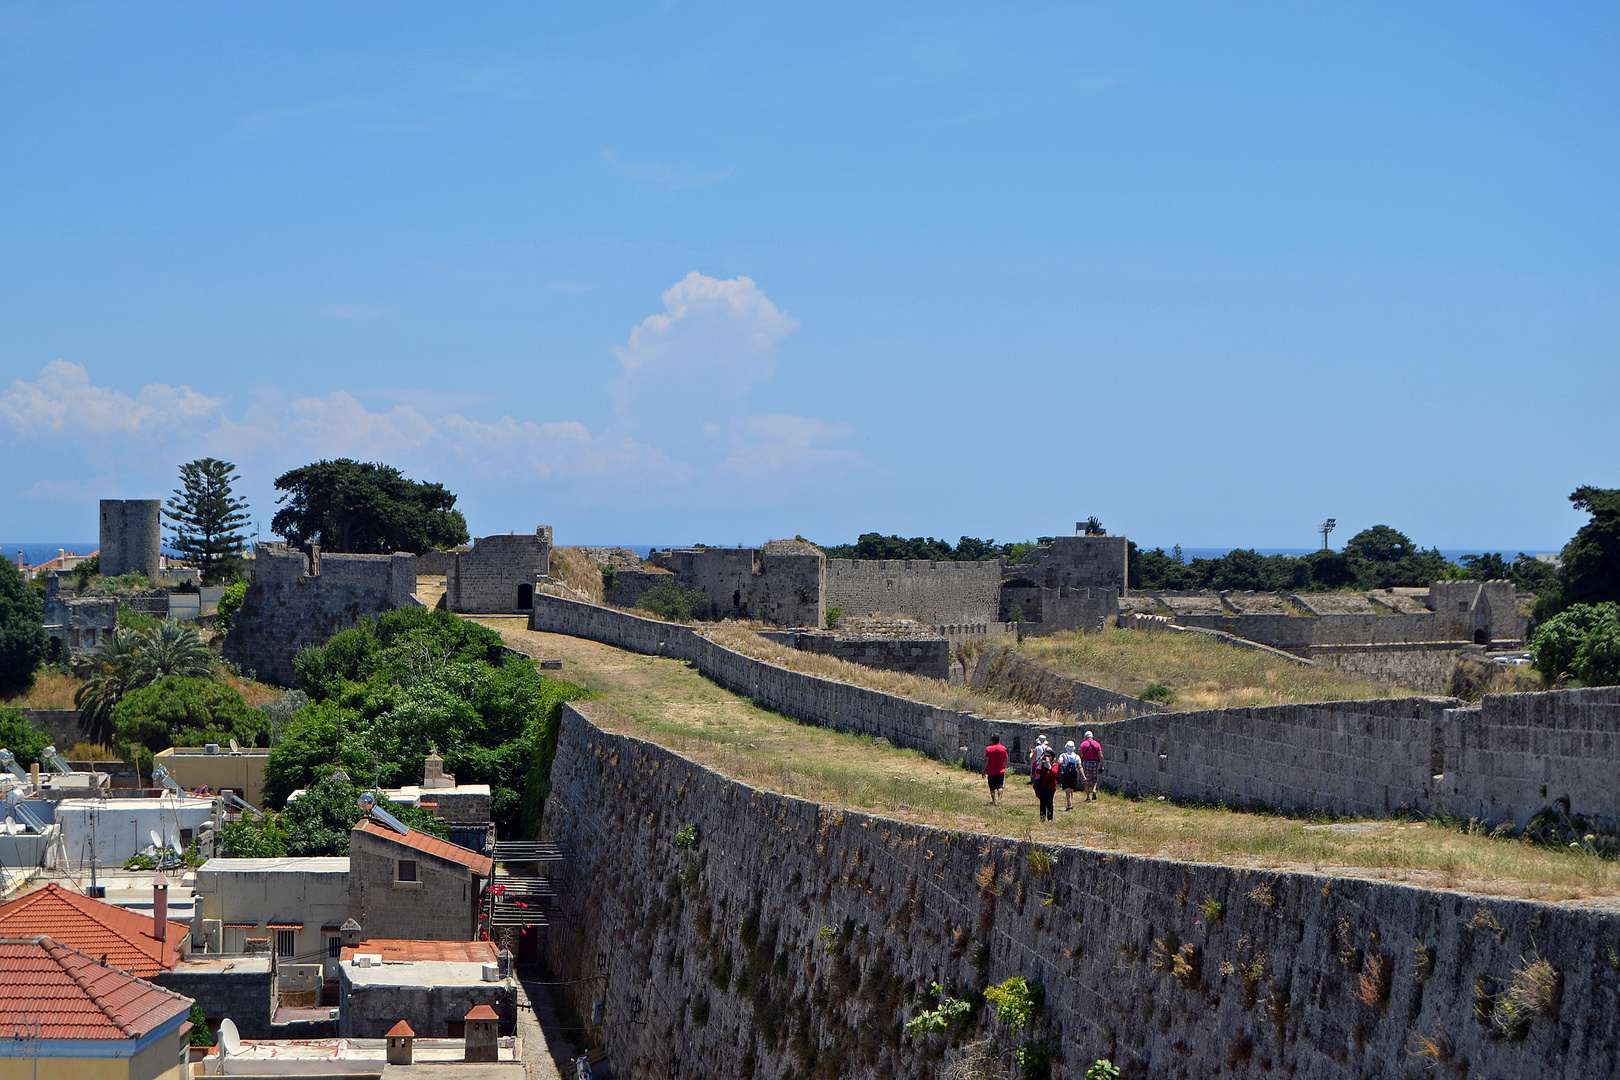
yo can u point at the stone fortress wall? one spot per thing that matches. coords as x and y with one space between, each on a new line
796 937
781 583
1503 760
497 574
131 537
933 593
926 655
299 599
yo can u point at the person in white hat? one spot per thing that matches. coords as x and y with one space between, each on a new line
1069 773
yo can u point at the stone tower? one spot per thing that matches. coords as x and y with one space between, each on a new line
131 536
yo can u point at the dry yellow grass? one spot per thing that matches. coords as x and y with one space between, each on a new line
51 690
573 566
1202 672
743 639
665 701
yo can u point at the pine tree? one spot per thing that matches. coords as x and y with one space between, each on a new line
207 518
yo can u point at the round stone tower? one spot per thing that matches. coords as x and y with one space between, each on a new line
131 536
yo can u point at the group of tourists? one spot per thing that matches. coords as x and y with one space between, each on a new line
1074 769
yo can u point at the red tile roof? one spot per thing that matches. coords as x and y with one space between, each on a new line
117 936
482 1012
482 865
463 952
70 996
400 1030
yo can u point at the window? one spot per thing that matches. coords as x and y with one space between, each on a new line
407 870
334 947
286 942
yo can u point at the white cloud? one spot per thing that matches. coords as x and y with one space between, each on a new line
339 425
774 442
62 397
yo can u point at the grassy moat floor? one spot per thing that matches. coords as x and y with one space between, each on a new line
667 702
1202 672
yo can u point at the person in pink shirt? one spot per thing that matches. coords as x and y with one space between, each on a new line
995 769
1091 765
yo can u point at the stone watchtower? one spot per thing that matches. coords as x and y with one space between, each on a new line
482 1033
131 536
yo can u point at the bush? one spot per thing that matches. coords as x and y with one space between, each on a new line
20 737
669 599
179 711
1597 660
1556 642
610 578
1157 692
230 602
834 615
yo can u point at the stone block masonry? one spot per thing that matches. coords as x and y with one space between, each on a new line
1003 671
1350 757
797 938
131 536
298 600
929 657
936 593
499 573
780 583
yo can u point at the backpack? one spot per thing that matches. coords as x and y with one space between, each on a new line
1070 772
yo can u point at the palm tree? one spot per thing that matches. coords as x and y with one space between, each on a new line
131 659
171 648
112 675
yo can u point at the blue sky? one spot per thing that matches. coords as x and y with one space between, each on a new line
664 273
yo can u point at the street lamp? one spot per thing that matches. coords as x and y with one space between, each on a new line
1325 528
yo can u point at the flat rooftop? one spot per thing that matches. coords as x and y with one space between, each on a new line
226 964
290 864
224 751
422 973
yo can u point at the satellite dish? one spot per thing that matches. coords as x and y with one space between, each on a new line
174 845
229 1041
157 841
234 748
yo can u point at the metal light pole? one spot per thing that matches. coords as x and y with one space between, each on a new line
1325 528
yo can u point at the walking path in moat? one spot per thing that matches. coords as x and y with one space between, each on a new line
667 702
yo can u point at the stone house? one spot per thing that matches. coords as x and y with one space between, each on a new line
498 574
415 885
430 985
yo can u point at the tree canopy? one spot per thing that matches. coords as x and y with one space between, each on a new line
1592 557
967 549
20 737
386 692
1583 642
1375 558
316 823
365 507
134 658
207 518
23 642
178 710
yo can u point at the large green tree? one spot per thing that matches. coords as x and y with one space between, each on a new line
1592 558
131 659
177 710
23 644
207 518
366 507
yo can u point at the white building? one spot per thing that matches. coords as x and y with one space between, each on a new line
297 904
112 830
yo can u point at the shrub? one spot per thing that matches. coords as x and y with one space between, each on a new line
1557 642
1597 660
23 642
834 614
1158 692
687 838
1102 1069
937 1019
669 599
178 711
610 577
20 737
1018 1001
230 602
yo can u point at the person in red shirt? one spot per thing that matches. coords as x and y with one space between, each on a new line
995 769
1091 765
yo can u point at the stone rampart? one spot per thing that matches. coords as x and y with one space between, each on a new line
937 593
780 583
929 657
1349 757
1424 666
1516 753
1004 672
299 600
793 937
498 574
1076 562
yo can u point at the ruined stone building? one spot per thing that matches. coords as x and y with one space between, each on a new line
497 575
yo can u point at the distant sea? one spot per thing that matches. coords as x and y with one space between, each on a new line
34 554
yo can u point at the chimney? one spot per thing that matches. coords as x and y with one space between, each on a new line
351 933
160 908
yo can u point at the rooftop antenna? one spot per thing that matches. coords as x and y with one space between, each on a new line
1325 528
368 805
